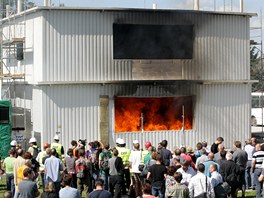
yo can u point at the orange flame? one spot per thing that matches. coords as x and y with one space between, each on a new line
163 113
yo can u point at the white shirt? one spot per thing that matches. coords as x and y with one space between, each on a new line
135 158
186 176
250 151
216 178
197 186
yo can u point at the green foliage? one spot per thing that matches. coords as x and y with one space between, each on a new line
256 69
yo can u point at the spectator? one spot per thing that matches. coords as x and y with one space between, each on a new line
208 163
214 146
165 153
99 190
187 172
240 158
70 167
49 191
124 153
257 160
149 150
74 148
217 156
33 147
8 165
191 154
134 160
68 191
199 146
187 157
177 162
216 178
53 166
206 147
58 147
248 174
20 161
28 188
116 174
200 184
223 158
39 159
104 157
146 189
158 173
83 172
203 157
230 171
170 180
178 190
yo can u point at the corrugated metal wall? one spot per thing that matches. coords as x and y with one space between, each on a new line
219 110
78 44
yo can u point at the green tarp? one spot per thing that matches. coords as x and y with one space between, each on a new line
5 130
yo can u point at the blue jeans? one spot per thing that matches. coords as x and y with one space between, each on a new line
257 173
10 183
105 177
156 191
249 175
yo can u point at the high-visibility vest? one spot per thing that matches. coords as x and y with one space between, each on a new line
124 153
56 146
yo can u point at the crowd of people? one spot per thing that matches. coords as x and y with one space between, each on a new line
96 170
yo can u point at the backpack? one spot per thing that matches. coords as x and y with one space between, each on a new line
94 158
81 168
35 151
104 162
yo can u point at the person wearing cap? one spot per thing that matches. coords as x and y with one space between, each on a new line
33 148
56 145
124 153
145 152
39 158
13 144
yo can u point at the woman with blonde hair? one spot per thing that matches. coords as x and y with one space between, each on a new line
49 191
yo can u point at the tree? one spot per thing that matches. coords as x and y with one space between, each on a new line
256 69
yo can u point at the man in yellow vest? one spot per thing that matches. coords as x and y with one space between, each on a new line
124 153
57 146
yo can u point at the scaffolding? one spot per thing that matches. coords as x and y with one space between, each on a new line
12 60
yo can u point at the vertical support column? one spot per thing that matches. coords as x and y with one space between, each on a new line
104 119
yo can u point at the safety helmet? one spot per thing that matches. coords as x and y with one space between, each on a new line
56 137
13 143
120 141
31 140
46 145
147 144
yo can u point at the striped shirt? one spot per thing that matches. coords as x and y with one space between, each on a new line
258 157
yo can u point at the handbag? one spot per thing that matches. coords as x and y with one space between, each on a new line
222 190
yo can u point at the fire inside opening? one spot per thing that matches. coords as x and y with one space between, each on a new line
133 114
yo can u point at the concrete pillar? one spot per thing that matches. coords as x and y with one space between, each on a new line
196 5
104 119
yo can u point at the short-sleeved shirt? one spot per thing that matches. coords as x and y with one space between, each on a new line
100 193
9 164
157 173
258 157
70 164
27 189
101 156
69 192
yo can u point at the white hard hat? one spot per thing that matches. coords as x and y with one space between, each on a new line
56 137
135 142
13 143
31 140
121 141
118 140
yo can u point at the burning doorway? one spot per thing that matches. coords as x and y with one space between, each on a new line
134 114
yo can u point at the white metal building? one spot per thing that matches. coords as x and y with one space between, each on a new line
69 71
